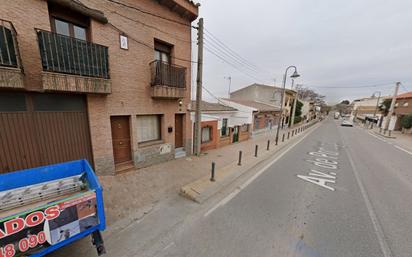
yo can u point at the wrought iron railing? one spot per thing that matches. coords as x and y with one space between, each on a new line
166 74
69 55
8 45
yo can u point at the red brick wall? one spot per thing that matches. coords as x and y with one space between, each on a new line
215 136
129 69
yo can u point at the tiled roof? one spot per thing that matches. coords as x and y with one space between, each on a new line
257 105
210 107
404 95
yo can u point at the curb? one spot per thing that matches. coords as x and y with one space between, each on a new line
382 135
202 189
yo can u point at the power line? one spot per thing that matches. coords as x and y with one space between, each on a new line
232 56
230 50
149 13
144 44
234 66
152 27
222 53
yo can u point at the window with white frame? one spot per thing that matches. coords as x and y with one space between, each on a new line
148 128
206 134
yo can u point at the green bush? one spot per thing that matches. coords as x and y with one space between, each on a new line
297 119
406 121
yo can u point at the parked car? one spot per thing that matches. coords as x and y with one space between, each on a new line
346 123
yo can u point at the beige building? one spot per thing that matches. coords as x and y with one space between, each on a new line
96 80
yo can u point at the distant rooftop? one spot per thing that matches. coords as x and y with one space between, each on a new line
211 107
254 104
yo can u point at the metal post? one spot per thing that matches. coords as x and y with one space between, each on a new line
293 132
267 147
240 158
212 177
283 137
389 131
256 150
295 75
376 109
288 134
198 114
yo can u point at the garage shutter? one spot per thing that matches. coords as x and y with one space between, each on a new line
41 129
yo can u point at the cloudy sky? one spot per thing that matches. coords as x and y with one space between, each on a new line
349 44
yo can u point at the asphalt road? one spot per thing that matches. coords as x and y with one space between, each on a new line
339 192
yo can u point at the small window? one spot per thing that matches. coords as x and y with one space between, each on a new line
148 128
162 52
62 27
69 29
244 128
206 134
79 32
224 130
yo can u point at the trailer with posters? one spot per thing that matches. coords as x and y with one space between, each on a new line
45 208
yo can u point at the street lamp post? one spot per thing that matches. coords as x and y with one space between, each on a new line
376 108
294 75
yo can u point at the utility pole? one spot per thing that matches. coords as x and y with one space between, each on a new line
230 83
198 114
391 109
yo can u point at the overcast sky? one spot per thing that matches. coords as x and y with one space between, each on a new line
332 42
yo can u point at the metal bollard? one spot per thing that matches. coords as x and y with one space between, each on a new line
380 130
276 140
288 134
384 131
283 137
389 131
267 146
256 150
293 132
212 177
240 158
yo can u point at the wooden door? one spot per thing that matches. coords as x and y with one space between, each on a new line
122 150
179 130
42 129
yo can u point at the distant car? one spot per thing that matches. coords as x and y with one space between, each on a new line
346 123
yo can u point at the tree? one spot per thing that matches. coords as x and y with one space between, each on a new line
345 102
298 110
385 106
406 121
308 94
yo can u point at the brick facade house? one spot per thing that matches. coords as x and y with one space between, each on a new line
221 125
98 80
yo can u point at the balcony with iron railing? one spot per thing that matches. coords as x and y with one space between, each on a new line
73 65
11 75
168 80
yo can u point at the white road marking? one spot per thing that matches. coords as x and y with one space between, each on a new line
318 181
402 149
168 246
377 227
244 185
386 141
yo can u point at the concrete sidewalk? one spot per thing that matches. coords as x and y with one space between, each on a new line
398 138
131 195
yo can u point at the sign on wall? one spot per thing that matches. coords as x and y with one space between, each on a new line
124 42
